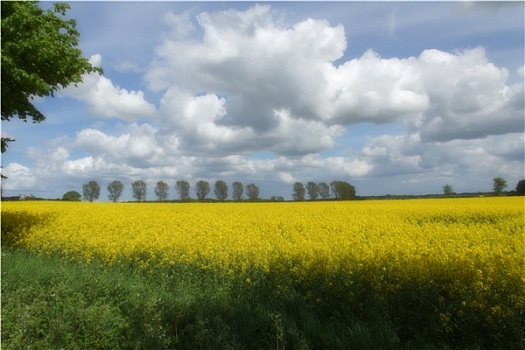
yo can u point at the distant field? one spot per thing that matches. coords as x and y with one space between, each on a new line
455 266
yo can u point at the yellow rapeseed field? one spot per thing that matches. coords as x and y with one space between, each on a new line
479 231
467 255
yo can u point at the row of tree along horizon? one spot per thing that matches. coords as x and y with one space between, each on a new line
336 190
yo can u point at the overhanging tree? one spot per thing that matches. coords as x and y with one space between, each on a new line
40 55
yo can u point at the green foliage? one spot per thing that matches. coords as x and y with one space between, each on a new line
202 188
520 187
50 303
40 55
447 190
342 190
72 196
238 190
183 189
91 191
252 191
161 190
298 191
324 190
499 184
139 189
221 190
313 190
115 189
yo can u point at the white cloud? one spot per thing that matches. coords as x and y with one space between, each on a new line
250 81
137 147
469 97
238 85
108 100
19 177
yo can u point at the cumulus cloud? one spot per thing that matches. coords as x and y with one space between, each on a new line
469 97
137 147
237 83
108 100
19 177
459 160
250 80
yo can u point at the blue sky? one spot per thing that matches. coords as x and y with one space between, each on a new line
393 97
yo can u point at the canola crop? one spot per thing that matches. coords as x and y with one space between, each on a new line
465 256
479 231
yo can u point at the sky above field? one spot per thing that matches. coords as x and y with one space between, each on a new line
392 97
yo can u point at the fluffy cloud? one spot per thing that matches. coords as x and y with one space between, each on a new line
108 100
19 177
462 162
469 97
234 85
250 80
137 147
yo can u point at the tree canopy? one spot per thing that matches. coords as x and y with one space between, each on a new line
115 189
183 189
91 191
72 196
202 188
342 190
161 190
139 189
499 184
221 190
40 55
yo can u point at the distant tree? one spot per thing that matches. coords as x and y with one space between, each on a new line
499 184
447 190
91 191
252 191
115 189
277 199
238 190
72 196
183 189
139 189
202 188
161 190
221 190
520 187
298 191
324 190
313 190
40 55
342 190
